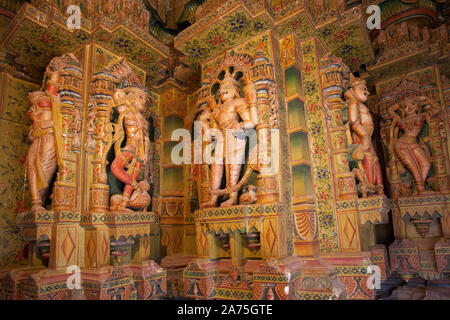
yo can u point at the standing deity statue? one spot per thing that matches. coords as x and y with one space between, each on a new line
45 134
416 157
225 117
361 123
133 157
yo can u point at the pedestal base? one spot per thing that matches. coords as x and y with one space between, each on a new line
175 266
352 270
291 278
143 281
419 289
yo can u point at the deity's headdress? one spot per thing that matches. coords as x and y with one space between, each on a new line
228 78
354 81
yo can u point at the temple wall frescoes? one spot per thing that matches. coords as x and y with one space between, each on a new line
14 125
224 150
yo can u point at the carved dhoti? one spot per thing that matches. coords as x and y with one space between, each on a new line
416 159
368 160
231 153
41 163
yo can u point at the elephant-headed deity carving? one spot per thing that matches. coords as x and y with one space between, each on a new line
131 149
368 172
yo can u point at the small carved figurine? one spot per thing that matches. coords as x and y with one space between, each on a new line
248 197
90 128
76 127
140 199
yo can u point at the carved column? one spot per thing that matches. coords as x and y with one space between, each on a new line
64 244
172 181
332 88
96 237
437 145
332 71
261 74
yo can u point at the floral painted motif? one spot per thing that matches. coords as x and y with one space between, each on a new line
238 23
321 164
225 34
217 40
13 188
36 46
346 42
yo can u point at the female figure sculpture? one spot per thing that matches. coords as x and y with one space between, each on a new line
412 155
42 158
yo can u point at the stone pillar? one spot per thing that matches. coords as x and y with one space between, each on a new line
262 76
96 235
237 249
171 199
64 241
332 71
332 88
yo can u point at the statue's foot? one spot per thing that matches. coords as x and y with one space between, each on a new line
230 202
37 208
212 203
208 204
119 203
427 192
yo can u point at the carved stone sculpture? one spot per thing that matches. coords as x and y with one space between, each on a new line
368 172
249 196
414 156
225 117
133 157
42 159
76 127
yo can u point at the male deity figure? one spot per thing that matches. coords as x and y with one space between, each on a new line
225 117
362 129
134 155
42 158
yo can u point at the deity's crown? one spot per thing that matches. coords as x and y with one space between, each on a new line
228 78
354 81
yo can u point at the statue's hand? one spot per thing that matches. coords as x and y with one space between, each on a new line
211 102
209 136
250 93
240 133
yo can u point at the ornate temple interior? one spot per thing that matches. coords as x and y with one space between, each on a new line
224 150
